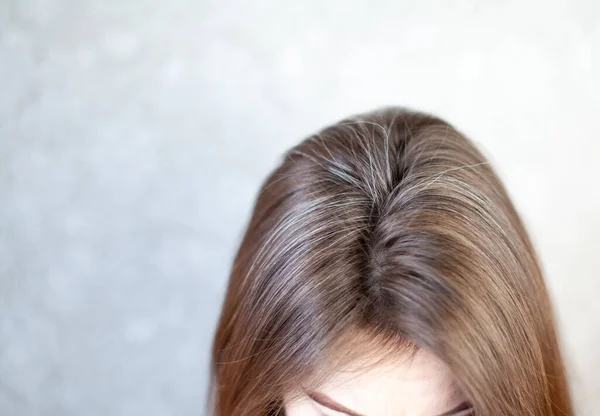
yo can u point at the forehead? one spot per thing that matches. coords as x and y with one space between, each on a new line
416 384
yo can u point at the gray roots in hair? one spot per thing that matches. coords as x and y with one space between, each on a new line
390 227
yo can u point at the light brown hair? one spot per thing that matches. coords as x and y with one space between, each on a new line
390 223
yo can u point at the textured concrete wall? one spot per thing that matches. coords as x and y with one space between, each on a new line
135 133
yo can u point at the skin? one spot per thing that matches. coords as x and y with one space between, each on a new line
404 386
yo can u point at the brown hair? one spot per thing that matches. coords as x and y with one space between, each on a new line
391 223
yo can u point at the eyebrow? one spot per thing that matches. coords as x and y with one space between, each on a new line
328 402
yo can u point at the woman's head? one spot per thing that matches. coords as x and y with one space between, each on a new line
387 242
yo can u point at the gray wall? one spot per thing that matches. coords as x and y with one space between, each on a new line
134 135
